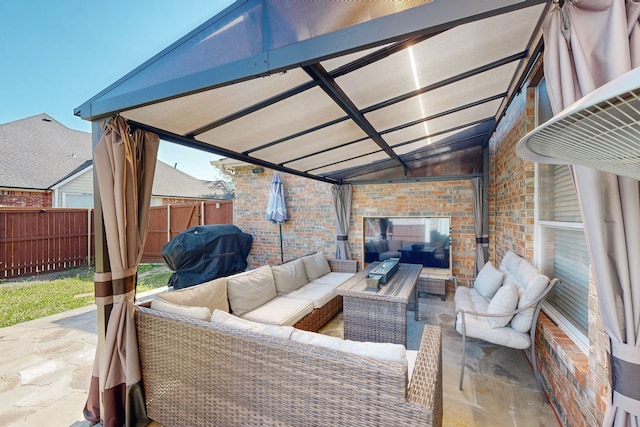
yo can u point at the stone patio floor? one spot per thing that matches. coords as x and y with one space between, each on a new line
45 367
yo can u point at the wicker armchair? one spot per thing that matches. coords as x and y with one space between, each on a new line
200 373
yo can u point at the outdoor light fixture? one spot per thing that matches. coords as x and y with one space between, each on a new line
258 170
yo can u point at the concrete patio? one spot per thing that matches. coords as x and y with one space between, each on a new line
45 367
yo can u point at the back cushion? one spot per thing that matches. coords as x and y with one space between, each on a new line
212 294
510 262
488 281
251 289
536 284
316 265
395 245
289 276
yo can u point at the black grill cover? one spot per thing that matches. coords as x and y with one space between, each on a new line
206 252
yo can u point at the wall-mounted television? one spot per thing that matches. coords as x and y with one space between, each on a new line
422 240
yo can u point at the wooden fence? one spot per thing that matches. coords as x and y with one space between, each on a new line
35 241
167 221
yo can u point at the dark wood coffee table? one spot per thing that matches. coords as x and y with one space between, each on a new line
378 316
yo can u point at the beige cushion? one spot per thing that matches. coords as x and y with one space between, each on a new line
316 265
202 313
289 276
280 311
532 290
505 299
318 293
250 289
380 351
225 318
212 294
488 281
333 279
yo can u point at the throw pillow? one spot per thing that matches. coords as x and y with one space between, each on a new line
530 292
505 299
251 289
289 276
202 313
316 265
488 281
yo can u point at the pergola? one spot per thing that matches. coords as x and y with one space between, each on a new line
342 92
338 91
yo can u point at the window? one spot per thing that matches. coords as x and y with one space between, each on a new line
561 247
77 200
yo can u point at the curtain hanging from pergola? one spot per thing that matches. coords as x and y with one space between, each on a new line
587 44
342 195
125 163
482 240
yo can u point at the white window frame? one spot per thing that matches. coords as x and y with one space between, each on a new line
575 334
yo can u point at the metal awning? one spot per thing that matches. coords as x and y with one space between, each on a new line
338 91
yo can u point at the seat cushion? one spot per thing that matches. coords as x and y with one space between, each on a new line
333 279
505 300
478 327
280 311
316 265
488 281
317 293
289 276
250 290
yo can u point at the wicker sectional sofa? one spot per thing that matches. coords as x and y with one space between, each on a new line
297 293
214 373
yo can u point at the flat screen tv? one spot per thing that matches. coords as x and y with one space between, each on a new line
422 240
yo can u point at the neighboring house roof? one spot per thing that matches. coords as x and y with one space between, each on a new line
171 182
38 152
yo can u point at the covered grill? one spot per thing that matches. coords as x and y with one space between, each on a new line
206 252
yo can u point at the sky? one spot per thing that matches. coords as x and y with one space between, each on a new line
55 55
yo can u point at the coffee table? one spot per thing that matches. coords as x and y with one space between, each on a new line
378 316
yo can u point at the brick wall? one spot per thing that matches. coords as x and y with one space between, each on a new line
311 225
26 199
575 381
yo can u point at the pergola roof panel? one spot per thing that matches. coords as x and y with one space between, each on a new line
311 88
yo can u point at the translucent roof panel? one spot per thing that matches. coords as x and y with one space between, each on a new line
282 119
364 160
310 143
340 154
313 18
336 90
188 113
443 56
475 88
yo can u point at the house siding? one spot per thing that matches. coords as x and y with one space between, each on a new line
82 184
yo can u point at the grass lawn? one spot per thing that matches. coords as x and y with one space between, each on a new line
31 298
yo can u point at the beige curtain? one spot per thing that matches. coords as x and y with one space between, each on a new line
125 166
587 44
342 195
482 239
